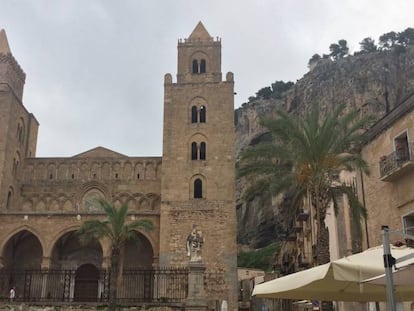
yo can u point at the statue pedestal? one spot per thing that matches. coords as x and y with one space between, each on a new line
196 299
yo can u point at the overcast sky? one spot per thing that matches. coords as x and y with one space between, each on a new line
95 68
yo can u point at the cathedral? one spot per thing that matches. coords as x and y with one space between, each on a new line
43 201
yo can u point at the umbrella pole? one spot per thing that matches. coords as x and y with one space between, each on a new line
389 261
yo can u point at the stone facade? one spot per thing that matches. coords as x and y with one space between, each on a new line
43 201
388 189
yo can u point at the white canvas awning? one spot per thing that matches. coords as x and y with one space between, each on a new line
341 280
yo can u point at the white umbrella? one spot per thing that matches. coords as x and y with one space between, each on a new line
403 275
340 280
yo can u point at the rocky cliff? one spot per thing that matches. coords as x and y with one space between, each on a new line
374 83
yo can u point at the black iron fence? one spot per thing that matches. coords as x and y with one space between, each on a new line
160 285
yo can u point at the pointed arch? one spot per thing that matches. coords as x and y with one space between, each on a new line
203 114
22 249
203 66
67 252
198 187
195 66
194 114
203 150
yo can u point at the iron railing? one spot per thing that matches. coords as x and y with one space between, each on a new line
158 285
391 162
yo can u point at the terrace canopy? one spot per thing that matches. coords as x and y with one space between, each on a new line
341 280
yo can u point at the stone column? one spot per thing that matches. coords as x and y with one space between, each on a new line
196 299
45 264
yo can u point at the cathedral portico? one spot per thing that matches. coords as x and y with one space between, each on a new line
43 201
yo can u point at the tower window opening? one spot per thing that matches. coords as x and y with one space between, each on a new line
203 114
50 176
137 176
203 66
73 176
194 151
195 66
198 189
116 176
203 151
194 117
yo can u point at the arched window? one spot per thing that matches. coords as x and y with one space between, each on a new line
203 151
193 151
195 66
203 66
194 117
203 114
198 189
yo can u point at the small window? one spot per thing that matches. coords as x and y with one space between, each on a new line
203 114
116 175
203 151
50 176
203 66
194 117
137 176
408 225
73 176
195 66
198 189
193 151
402 148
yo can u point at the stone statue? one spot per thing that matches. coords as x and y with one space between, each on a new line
195 241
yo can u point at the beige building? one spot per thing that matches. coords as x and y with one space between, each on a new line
388 191
387 194
43 201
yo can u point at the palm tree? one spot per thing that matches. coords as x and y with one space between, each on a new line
304 159
116 229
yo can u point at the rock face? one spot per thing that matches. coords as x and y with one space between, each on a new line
374 83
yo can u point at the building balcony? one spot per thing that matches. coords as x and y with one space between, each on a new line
397 163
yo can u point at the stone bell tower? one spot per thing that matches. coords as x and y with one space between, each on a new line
18 127
198 165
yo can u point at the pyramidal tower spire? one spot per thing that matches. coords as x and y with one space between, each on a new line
11 74
200 32
4 44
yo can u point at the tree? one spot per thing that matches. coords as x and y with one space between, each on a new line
388 40
304 158
314 59
264 93
339 50
116 229
368 45
406 37
279 87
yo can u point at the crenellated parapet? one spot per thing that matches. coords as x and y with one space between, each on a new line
12 75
